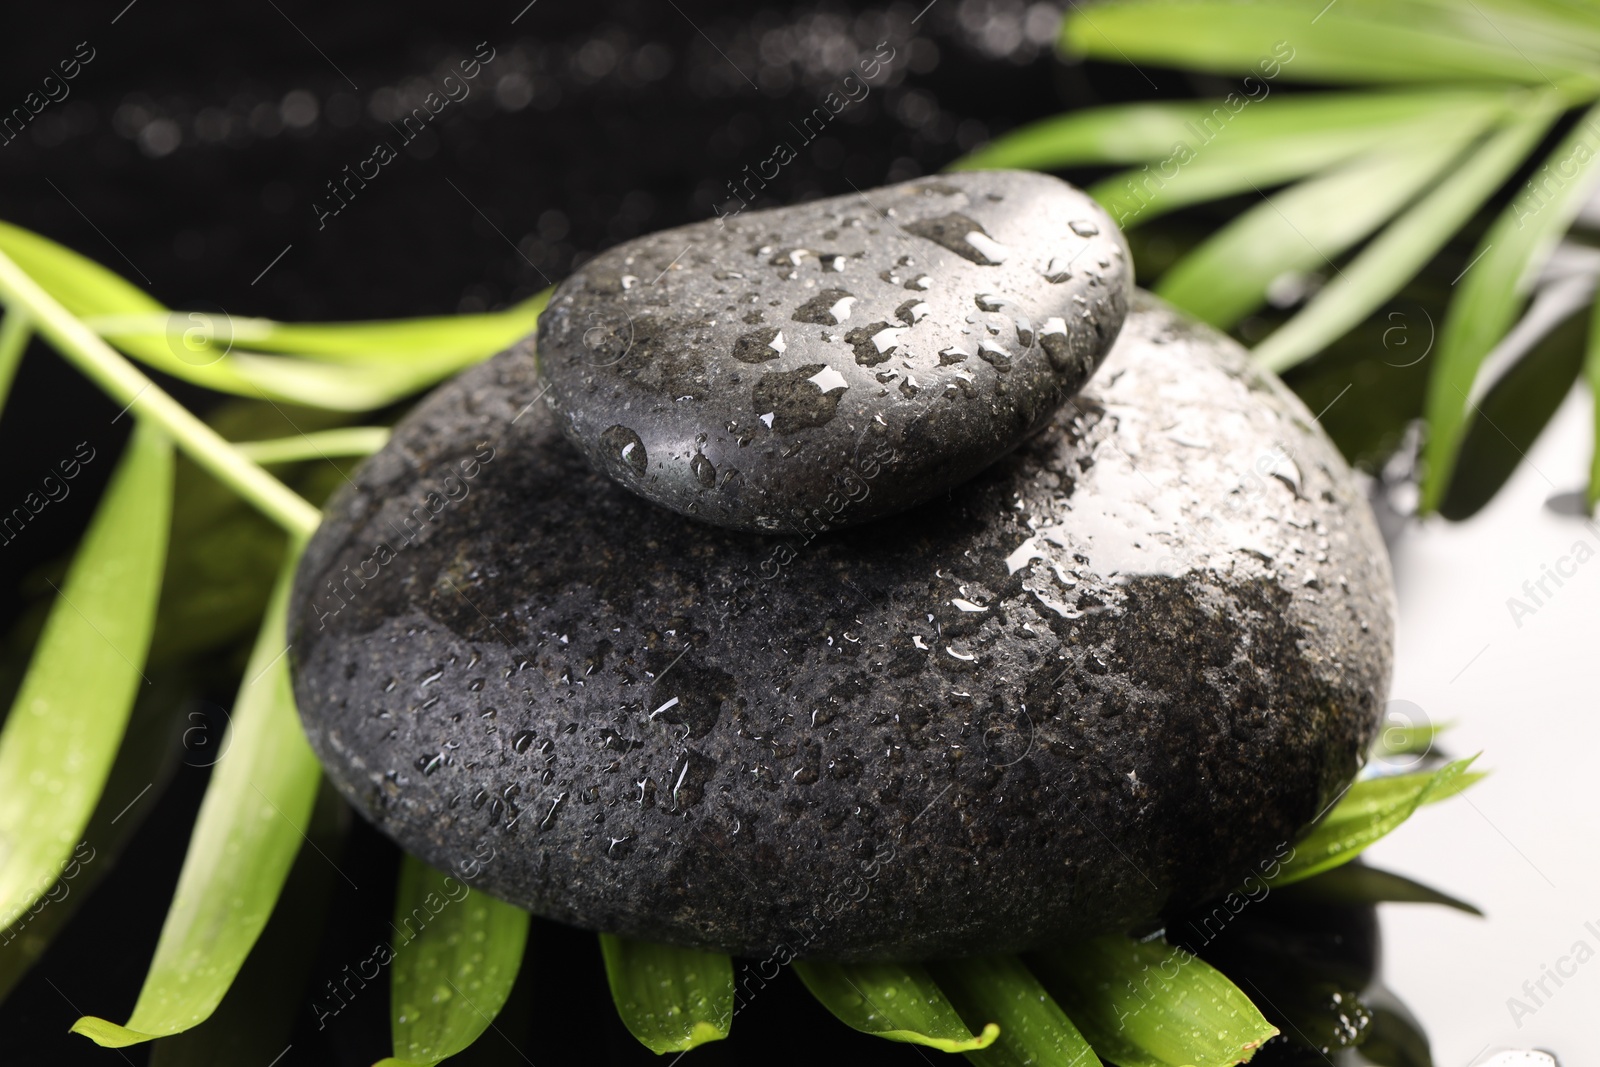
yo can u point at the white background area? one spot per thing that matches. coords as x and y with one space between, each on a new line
1525 844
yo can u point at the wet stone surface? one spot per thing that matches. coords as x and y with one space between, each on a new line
1100 681
755 371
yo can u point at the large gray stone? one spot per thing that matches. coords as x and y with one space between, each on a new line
742 370
1098 681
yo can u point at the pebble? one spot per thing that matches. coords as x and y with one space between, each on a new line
742 369
1099 682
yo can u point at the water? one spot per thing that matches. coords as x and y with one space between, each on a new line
963 236
624 448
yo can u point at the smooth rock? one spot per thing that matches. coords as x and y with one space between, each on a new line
1103 680
743 370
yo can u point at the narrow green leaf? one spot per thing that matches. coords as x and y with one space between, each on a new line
1150 1004
1306 227
1231 156
357 366
72 707
1449 787
383 342
1571 25
80 284
1349 41
144 766
897 1001
321 444
452 979
1592 372
15 331
267 999
1136 197
1121 133
250 826
347 366
1407 740
1368 810
1355 883
1495 288
1145 133
331 386
671 999
1395 256
1506 419
1033 1028
118 309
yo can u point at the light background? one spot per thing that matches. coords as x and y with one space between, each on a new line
1523 845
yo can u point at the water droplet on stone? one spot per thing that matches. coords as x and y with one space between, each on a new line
810 768
994 355
911 312
828 308
963 236
689 777
623 447
758 346
791 400
703 471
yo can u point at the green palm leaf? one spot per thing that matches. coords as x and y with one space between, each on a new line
1306 227
1121 133
382 342
357 366
145 763
70 712
1210 149
1397 254
1148 1004
1537 57
1495 287
267 999
1354 883
671 999
1225 157
453 975
1367 811
317 444
1033 1028
1347 41
249 829
81 285
896 1001
1507 417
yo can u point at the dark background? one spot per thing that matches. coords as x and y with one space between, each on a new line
188 157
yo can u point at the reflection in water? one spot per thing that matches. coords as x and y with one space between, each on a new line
1308 955
1311 966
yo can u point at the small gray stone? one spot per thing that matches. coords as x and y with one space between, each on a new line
1099 681
739 369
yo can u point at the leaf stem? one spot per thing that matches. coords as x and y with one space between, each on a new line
127 384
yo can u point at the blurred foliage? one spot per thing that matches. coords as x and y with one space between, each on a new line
1452 103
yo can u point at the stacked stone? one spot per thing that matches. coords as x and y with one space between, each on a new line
812 589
